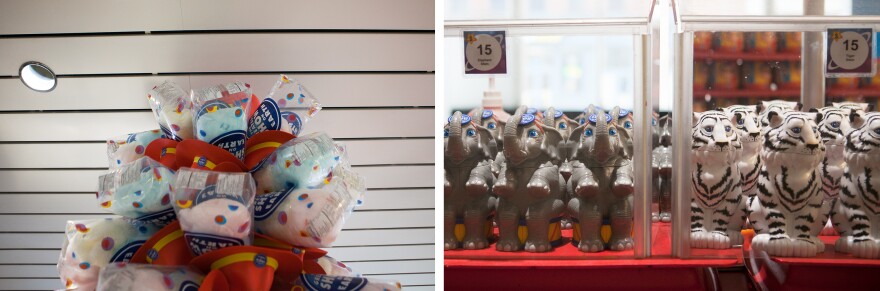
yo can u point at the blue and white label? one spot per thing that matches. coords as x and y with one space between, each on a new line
202 243
127 251
315 282
210 192
265 205
267 117
294 120
232 142
161 218
189 286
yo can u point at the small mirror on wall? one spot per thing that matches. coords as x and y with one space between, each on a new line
37 76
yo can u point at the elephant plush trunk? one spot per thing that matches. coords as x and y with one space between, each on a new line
602 149
665 135
513 148
455 148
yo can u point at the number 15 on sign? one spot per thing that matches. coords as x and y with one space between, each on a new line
485 52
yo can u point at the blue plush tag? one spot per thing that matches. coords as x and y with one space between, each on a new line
315 282
294 120
267 117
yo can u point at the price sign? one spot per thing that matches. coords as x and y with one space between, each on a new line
485 52
849 52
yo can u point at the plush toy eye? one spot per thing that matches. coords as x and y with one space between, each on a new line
835 124
582 121
588 132
627 125
533 133
796 129
612 131
445 133
471 132
708 128
491 125
727 128
877 131
740 121
756 120
562 125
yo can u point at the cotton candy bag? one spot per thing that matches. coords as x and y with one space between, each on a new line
90 245
139 277
220 115
302 162
215 209
139 190
310 217
172 108
296 106
126 149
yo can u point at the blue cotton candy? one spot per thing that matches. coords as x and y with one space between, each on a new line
140 190
225 128
300 163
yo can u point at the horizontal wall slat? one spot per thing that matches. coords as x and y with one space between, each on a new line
116 16
390 267
15 181
94 155
347 123
222 53
332 90
347 238
358 220
85 203
406 279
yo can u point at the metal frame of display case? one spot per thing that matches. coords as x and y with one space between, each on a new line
639 28
812 87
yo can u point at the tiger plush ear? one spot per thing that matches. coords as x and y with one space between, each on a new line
775 118
798 106
818 117
697 116
855 119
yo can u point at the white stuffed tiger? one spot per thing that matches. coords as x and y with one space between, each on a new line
860 107
832 130
787 209
716 216
778 106
858 216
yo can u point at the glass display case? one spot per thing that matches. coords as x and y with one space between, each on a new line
563 57
795 133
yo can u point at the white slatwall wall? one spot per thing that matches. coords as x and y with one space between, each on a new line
371 64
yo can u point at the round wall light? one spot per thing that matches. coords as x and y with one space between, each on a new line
37 76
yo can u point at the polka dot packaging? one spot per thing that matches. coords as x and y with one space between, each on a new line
172 108
126 149
310 217
137 277
296 104
215 209
221 113
302 162
93 244
140 190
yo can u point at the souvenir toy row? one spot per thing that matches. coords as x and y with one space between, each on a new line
789 173
529 171
226 195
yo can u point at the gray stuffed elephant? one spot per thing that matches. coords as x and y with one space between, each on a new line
557 119
529 186
490 121
661 162
468 183
602 182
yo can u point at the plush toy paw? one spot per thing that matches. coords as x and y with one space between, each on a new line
507 245
538 246
450 244
665 217
447 188
591 246
621 244
842 245
783 246
476 243
476 187
538 188
709 240
587 188
655 217
735 236
566 223
622 186
867 249
502 189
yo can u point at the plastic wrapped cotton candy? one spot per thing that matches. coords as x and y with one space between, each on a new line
139 190
302 162
172 107
296 103
313 282
310 217
221 118
334 267
126 149
215 209
138 277
93 244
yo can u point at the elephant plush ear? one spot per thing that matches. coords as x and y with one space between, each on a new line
486 142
